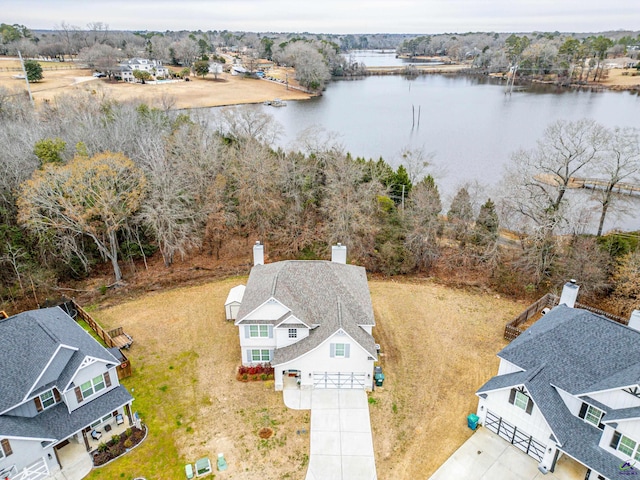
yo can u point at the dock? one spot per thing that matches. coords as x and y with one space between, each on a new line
622 188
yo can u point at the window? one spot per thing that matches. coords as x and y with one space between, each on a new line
258 330
259 355
339 350
591 415
293 333
92 386
47 399
102 420
520 399
626 445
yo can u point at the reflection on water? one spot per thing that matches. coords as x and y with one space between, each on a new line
467 122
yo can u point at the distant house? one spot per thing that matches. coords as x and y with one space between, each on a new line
215 68
312 320
59 392
154 67
570 385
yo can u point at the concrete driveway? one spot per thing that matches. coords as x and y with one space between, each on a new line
341 441
485 456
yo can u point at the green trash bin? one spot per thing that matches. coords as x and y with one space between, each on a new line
378 376
472 421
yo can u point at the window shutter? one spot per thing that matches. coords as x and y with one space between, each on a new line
6 447
583 410
249 356
270 355
529 406
332 350
247 332
78 394
512 396
38 403
601 425
270 331
56 395
347 347
615 440
107 379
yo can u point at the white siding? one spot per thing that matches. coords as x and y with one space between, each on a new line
85 375
616 399
534 424
320 360
573 403
264 343
25 453
507 367
282 335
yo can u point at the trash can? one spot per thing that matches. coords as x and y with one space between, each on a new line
378 376
472 421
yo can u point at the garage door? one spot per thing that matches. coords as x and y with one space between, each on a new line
339 380
511 434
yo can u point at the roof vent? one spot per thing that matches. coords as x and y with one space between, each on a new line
339 253
258 254
634 320
569 294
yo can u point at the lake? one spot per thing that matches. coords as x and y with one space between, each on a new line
467 123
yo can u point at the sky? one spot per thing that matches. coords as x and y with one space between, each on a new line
330 16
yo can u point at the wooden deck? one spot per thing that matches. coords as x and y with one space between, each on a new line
120 338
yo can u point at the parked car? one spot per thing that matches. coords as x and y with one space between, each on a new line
99 74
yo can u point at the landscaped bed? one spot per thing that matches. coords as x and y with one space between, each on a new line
118 445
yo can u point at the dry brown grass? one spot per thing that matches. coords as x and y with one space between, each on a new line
198 92
438 345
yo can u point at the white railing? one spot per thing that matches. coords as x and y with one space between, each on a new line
35 471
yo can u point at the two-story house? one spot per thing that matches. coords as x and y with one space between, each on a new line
57 387
154 67
312 320
570 385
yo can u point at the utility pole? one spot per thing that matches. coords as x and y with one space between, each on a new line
26 77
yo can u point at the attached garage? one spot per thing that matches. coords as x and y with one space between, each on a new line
342 380
511 434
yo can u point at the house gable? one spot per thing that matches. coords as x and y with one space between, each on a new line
269 311
53 369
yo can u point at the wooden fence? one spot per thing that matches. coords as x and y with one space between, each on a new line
512 329
124 370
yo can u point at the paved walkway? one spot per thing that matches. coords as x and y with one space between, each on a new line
341 441
485 456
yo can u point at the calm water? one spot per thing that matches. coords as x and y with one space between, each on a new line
468 124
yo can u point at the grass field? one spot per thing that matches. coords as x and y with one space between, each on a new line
438 347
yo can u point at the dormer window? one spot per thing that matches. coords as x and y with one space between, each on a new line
47 399
592 415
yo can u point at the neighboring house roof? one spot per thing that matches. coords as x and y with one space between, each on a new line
561 340
40 333
579 352
329 296
56 423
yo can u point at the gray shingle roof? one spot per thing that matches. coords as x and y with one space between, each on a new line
584 350
40 332
579 352
621 414
327 294
504 381
56 423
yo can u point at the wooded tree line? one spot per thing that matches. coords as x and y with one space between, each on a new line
87 180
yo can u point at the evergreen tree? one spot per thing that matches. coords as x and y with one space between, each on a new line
487 224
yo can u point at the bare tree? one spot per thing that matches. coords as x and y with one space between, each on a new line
92 197
620 161
423 223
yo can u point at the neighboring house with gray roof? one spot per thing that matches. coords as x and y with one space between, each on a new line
570 385
312 320
57 385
